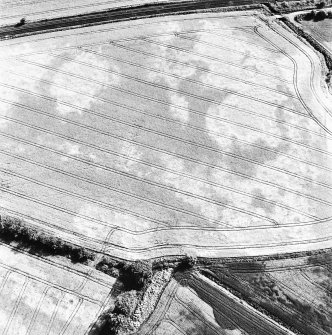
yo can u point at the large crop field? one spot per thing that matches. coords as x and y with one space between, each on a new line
47 296
207 134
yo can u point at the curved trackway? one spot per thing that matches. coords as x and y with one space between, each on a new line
222 242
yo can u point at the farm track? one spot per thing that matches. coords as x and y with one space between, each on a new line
133 176
191 310
216 59
148 130
54 313
17 302
175 61
220 47
175 245
37 309
235 38
192 159
248 317
72 315
114 15
176 106
217 88
69 269
69 156
224 120
127 157
56 286
106 303
102 185
74 292
220 307
114 29
177 138
163 87
313 90
56 228
316 284
157 319
108 168
194 81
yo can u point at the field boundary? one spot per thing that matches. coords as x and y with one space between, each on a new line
121 14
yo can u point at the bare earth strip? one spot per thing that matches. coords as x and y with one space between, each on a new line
207 134
43 296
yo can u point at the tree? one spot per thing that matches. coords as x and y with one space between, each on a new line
136 275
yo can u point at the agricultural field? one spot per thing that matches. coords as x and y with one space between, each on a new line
11 12
192 304
296 290
49 296
320 30
32 10
207 134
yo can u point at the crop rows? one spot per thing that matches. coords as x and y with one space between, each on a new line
44 289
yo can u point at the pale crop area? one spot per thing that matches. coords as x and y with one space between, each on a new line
207 134
48 296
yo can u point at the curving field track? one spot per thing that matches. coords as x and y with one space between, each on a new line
321 31
44 296
209 134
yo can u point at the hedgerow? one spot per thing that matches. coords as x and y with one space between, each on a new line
16 230
313 42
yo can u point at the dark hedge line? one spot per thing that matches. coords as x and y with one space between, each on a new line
314 15
299 31
16 230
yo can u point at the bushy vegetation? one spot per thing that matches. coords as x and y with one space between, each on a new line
282 7
137 275
134 275
315 15
34 240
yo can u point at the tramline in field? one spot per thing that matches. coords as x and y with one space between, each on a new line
203 134
49 296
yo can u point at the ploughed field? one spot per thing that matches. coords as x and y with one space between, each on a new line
192 304
208 133
295 290
47 296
